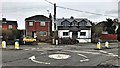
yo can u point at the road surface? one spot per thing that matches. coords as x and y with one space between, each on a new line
60 55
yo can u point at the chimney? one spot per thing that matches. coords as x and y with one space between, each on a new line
62 17
4 19
71 17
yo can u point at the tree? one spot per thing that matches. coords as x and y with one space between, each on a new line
10 35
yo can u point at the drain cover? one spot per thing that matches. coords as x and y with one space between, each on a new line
59 56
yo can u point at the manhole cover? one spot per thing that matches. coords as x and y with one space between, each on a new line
59 56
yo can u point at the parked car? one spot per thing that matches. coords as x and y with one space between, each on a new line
29 39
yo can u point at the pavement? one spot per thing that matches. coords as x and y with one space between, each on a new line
82 54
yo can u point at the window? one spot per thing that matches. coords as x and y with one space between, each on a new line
65 23
10 26
43 33
65 33
83 23
30 23
42 23
82 33
4 22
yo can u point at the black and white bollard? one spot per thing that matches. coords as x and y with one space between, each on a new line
53 41
56 42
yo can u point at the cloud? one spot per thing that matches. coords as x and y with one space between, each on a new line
112 12
21 10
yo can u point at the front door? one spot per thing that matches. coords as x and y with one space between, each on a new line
34 34
74 34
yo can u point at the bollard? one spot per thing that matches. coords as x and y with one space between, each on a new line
107 45
53 41
56 42
98 45
17 45
3 44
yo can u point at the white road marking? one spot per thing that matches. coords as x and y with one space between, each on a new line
85 58
40 50
59 56
42 53
33 48
103 51
32 58
37 48
82 52
26 49
109 54
82 55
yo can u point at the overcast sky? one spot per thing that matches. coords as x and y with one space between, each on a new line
19 10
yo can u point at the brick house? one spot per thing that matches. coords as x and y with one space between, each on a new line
38 26
8 24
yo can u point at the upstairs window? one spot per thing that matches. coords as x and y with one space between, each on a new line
65 23
82 23
42 23
30 23
74 23
10 26
4 22
65 33
82 33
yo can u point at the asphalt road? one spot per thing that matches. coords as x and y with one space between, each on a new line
65 55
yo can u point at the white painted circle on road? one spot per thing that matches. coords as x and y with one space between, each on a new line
59 56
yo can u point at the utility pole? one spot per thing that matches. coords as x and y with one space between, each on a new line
55 35
54 11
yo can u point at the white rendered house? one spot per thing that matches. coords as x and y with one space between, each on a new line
79 29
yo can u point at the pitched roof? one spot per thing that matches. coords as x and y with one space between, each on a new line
37 18
58 21
8 22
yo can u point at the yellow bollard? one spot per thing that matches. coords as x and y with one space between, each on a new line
3 44
17 45
98 45
107 45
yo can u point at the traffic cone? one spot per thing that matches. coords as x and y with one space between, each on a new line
3 44
107 45
17 45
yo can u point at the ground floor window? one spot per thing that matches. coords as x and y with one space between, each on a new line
65 33
43 33
82 33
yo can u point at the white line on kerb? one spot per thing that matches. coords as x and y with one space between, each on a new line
26 49
103 51
82 55
109 54
82 52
